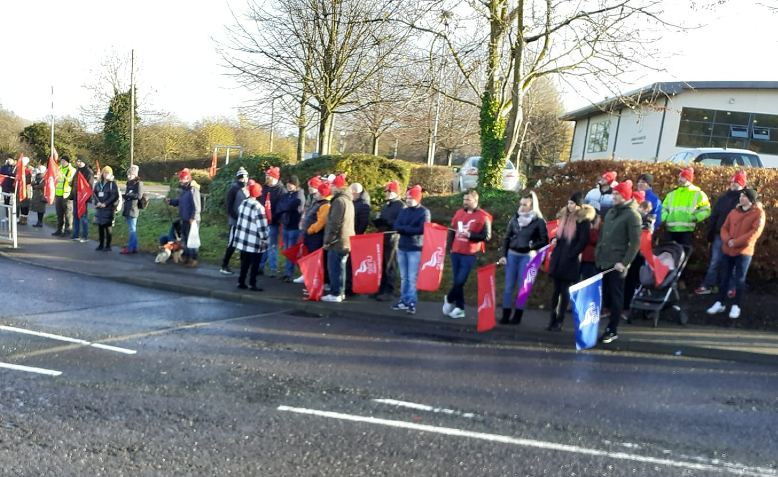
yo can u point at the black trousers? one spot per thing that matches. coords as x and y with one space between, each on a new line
105 232
249 265
613 296
64 208
683 238
632 281
560 299
229 250
389 275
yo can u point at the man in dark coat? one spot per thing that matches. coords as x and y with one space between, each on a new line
236 194
337 238
271 194
385 223
290 210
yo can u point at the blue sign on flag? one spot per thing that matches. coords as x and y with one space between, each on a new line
586 297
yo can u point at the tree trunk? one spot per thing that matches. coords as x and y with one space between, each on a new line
375 144
301 120
325 131
449 157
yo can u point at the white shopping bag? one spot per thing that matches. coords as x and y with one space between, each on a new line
193 240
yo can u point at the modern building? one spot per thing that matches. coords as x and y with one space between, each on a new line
654 122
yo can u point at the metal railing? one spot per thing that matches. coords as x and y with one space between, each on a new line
8 231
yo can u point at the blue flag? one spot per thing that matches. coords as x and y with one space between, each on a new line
587 298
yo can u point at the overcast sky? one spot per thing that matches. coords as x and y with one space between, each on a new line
61 43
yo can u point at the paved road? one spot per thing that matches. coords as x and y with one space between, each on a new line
222 389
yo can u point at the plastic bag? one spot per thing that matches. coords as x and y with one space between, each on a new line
193 240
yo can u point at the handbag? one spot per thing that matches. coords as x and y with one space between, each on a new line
193 240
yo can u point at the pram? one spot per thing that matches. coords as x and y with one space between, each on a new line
650 300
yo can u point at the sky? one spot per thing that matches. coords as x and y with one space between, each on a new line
62 43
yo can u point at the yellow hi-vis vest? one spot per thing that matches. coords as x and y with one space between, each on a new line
65 181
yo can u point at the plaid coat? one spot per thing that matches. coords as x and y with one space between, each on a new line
251 234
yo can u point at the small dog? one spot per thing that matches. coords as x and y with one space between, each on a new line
170 250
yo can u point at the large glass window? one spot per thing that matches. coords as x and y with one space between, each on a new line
737 129
598 136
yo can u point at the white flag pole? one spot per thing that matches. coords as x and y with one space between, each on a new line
52 120
132 107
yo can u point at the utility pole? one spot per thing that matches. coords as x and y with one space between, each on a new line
132 107
272 122
52 121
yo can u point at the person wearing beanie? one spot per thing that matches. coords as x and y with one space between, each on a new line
38 202
385 223
646 184
337 238
105 195
290 210
527 232
410 228
236 194
572 237
472 228
133 193
726 203
361 200
742 228
600 197
250 237
189 206
618 246
271 194
683 208
81 224
315 217
62 194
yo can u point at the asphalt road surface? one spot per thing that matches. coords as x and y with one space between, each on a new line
167 384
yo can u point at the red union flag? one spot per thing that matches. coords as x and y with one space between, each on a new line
312 267
50 178
660 269
551 228
84 193
487 292
212 169
367 258
21 183
433 255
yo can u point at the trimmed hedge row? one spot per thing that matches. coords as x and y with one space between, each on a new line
433 179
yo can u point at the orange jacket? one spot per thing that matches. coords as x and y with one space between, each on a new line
744 229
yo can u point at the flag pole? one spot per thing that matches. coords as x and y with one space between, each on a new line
132 107
52 120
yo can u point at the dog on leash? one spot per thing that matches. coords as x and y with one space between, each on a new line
171 250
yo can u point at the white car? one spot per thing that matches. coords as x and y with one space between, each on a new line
467 176
717 156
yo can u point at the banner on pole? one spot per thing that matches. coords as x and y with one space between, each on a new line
586 297
84 193
433 255
312 267
50 178
528 276
660 269
367 258
487 292
551 228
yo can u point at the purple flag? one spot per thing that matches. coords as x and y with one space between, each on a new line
528 277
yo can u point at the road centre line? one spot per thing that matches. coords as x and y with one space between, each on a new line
67 339
729 468
30 369
424 407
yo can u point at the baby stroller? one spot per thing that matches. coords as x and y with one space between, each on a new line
650 300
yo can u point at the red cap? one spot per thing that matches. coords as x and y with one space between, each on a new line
392 186
687 173
185 175
324 189
740 178
255 188
639 196
273 172
610 176
415 193
340 181
624 189
314 182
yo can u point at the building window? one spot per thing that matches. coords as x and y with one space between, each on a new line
736 129
598 136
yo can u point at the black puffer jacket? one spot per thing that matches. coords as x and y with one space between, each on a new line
724 205
524 239
361 213
565 262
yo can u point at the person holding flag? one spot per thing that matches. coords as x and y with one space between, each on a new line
81 219
527 233
133 193
290 210
315 217
64 189
410 226
618 245
572 237
23 188
385 223
337 238
271 194
472 229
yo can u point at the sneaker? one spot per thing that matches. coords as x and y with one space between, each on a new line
703 290
411 310
299 279
457 313
734 312
57 233
332 298
83 240
399 306
716 309
226 271
447 307
75 239
608 337
242 286
732 293
256 288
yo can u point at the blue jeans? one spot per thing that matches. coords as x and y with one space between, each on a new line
461 265
409 272
132 230
714 273
735 270
514 267
290 239
81 225
271 255
336 264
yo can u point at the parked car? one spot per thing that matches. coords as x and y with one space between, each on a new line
717 156
467 175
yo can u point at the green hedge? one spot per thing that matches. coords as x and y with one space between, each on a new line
255 165
433 179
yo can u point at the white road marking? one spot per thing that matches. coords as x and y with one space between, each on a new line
30 369
424 407
66 339
722 467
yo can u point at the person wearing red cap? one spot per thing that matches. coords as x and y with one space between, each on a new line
315 217
271 194
619 244
337 238
385 223
410 226
684 207
251 236
189 205
601 196
725 204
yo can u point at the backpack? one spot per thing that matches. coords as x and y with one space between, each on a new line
143 202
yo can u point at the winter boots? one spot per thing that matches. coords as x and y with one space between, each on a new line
22 220
555 324
511 317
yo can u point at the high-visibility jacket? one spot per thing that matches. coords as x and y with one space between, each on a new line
65 181
684 207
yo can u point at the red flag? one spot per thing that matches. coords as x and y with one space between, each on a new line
212 169
268 209
97 166
487 292
551 226
21 180
295 252
84 193
50 178
433 253
660 269
312 267
367 258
